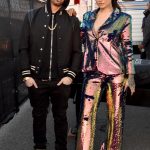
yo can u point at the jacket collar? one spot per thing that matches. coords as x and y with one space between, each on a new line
45 6
111 19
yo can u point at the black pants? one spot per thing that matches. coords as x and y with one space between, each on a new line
39 99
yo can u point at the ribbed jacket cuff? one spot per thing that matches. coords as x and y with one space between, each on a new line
71 74
26 73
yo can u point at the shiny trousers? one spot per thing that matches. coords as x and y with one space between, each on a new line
40 98
115 97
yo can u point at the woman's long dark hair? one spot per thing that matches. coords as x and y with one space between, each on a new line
115 4
66 3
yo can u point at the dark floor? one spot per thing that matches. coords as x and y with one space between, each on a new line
17 134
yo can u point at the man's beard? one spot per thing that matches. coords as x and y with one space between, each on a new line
58 3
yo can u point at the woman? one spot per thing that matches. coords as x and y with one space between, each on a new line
108 60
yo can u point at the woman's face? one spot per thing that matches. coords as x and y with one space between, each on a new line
104 3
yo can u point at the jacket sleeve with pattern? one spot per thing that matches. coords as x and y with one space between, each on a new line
24 48
127 46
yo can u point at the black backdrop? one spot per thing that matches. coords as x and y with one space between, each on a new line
141 96
12 90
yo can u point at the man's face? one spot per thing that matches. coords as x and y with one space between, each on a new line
57 2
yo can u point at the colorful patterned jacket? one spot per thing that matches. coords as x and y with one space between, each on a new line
112 51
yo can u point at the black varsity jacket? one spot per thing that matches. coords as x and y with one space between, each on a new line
33 38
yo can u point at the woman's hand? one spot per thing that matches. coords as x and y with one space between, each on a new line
71 12
65 81
29 81
130 83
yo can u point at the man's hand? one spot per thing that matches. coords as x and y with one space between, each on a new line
71 12
29 81
65 81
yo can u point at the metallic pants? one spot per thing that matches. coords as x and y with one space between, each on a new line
115 101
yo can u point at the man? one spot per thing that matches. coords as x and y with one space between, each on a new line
146 33
50 59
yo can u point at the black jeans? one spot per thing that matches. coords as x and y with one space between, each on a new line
39 99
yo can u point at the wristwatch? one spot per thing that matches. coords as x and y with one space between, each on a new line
25 79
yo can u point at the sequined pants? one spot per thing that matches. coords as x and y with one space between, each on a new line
115 97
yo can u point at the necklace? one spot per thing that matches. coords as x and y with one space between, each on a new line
52 28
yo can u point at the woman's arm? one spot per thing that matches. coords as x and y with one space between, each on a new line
128 51
126 38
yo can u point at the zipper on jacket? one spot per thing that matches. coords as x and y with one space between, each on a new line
51 49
